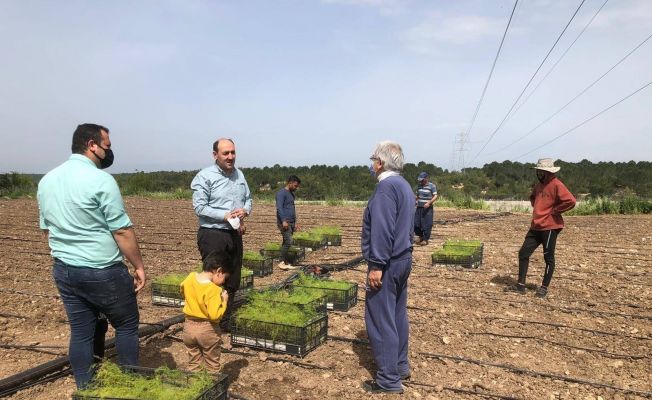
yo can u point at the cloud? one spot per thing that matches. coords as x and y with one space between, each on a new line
438 29
636 14
386 7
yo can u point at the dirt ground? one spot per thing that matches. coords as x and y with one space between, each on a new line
594 326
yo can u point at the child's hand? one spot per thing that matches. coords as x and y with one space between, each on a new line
225 296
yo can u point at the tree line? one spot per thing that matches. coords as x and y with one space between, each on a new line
506 180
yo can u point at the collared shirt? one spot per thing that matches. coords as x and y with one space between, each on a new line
215 194
80 206
285 210
425 193
386 174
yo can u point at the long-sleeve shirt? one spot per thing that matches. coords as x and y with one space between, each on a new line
203 299
285 206
215 194
388 222
80 206
549 199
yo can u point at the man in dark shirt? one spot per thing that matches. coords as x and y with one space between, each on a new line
286 218
386 243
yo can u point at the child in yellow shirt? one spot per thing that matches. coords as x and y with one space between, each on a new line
205 303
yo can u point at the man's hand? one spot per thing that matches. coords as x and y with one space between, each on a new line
139 279
239 212
242 228
297 227
375 279
285 225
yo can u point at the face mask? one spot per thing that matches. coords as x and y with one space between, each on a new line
107 161
541 176
372 172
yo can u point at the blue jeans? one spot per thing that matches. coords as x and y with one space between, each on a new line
85 293
387 323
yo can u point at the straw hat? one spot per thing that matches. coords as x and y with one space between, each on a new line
547 164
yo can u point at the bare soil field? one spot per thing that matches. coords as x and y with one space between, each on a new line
591 338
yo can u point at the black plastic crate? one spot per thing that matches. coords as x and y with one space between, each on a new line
295 254
279 338
260 267
469 261
164 294
313 244
218 391
246 282
337 299
333 240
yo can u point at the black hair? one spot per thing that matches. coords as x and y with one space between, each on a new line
217 260
294 178
83 134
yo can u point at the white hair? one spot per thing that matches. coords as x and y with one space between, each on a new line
391 155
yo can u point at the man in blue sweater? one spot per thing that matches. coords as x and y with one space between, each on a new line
387 247
286 217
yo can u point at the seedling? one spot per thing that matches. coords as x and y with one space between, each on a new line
166 290
112 382
340 295
333 234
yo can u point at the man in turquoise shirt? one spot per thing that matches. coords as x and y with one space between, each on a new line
89 233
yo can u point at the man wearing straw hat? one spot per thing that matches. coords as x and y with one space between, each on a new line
549 199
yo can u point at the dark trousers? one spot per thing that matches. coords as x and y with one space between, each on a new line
423 222
287 241
532 240
87 292
387 323
224 241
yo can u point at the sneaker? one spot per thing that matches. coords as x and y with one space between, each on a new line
286 267
423 243
371 386
406 377
542 291
417 240
518 288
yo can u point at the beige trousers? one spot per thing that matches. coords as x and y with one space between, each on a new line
203 341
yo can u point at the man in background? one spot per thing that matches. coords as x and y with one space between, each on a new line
89 233
549 199
423 217
221 199
286 218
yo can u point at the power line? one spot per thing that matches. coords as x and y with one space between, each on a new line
493 66
574 98
560 58
587 120
530 81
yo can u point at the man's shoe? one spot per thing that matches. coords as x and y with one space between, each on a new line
423 243
518 288
406 377
371 386
417 240
286 267
541 292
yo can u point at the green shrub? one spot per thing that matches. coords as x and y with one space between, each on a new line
166 384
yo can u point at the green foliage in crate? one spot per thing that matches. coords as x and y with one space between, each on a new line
277 247
166 384
462 243
170 279
309 281
245 272
327 230
252 256
276 321
297 296
308 236
453 253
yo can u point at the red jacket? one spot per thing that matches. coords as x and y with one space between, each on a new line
549 199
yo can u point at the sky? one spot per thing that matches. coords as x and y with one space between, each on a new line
311 82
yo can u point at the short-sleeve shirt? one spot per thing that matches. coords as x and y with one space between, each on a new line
425 193
80 206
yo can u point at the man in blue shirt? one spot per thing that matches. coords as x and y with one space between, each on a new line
426 196
221 199
286 217
386 244
89 233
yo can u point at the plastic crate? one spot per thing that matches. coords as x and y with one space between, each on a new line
295 254
218 391
333 240
470 261
279 338
246 282
260 267
337 299
319 304
167 295
313 244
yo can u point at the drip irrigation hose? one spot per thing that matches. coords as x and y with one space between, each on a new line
465 391
31 376
539 374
